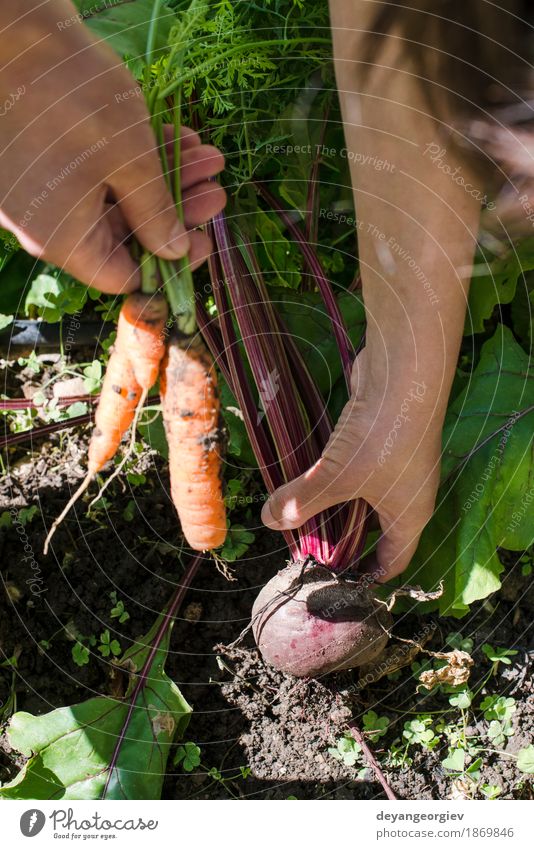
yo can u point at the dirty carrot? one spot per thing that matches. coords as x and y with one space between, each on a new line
141 329
131 371
191 413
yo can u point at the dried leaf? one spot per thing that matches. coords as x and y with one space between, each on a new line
416 593
456 671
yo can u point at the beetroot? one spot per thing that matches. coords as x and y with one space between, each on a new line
307 621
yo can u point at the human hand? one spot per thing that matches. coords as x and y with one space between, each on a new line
385 449
79 167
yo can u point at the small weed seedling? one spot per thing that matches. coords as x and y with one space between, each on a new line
419 731
188 756
491 791
81 651
499 711
525 760
237 543
498 655
118 610
346 750
107 646
374 726
456 640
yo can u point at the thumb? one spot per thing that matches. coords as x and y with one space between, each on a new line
394 549
294 503
148 207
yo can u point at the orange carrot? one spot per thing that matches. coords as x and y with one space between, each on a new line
119 398
191 413
131 371
141 330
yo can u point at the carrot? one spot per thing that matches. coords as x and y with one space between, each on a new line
141 329
116 410
191 413
131 371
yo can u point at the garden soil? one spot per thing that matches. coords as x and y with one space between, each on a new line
262 734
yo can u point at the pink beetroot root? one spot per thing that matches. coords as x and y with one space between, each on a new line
308 621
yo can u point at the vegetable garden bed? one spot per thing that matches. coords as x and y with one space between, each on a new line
446 711
261 734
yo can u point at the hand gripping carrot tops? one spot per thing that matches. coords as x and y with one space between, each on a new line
188 379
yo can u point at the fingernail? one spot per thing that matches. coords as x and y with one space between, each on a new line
268 518
179 240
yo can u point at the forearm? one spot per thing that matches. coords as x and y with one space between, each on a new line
37 37
417 221
57 15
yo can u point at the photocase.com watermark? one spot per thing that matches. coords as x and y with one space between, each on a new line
357 587
36 581
52 184
65 824
527 208
388 249
519 514
416 393
478 490
10 101
32 822
233 501
72 327
437 155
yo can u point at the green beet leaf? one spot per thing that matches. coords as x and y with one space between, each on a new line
307 322
104 748
485 501
497 285
125 26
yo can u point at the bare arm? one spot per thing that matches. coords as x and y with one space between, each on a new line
417 226
79 164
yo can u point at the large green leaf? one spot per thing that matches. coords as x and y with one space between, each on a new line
497 284
487 497
55 295
307 321
125 26
279 258
238 444
151 428
104 748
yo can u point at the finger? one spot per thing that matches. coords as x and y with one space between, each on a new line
394 551
188 138
119 227
197 161
102 261
201 248
203 202
199 164
294 503
147 205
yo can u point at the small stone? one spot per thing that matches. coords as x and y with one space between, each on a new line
71 388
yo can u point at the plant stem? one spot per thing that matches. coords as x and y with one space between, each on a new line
166 623
371 760
152 32
149 273
203 68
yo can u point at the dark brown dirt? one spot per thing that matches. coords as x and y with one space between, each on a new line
265 734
